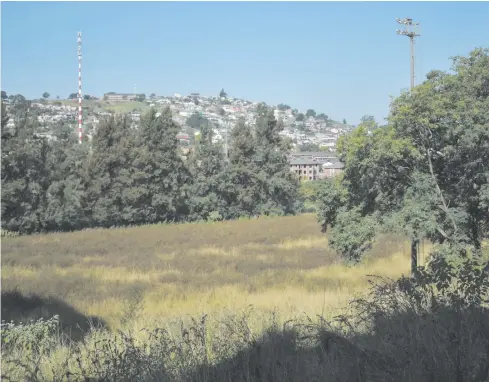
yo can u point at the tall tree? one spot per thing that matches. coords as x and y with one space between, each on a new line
159 176
206 165
24 176
244 192
280 186
223 94
107 167
65 209
425 174
45 95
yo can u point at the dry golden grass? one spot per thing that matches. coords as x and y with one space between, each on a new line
281 264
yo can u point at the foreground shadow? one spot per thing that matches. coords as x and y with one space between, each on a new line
447 345
24 308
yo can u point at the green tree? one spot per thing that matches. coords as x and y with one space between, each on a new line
45 95
25 178
206 165
323 116
344 121
300 117
65 196
223 94
197 121
425 173
107 173
5 117
244 186
310 113
4 95
280 186
159 175
309 147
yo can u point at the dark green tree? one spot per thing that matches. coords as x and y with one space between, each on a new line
107 173
4 95
65 196
159 176
300 117
244 191
206 164
280 186
310 113
45 95
223 94
197 121
25 177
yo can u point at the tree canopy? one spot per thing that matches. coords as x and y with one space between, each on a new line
424 174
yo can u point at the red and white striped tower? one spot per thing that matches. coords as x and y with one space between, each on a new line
80 128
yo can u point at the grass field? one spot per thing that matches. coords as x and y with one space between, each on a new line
180 294
280 264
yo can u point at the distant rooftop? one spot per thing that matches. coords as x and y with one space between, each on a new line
302 162
314 154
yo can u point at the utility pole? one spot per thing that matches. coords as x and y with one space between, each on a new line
411 33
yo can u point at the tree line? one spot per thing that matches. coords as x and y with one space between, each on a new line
130 175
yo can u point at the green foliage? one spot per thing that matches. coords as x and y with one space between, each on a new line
126 176
45 95
310 113
300 117
34 339
223 94
425 173
309 147
206 166
197 121
283 107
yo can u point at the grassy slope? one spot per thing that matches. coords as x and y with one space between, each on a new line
275 263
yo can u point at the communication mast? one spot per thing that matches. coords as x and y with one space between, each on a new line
80 110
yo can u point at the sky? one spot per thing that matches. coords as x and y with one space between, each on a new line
343 59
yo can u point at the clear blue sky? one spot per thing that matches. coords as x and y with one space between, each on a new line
340 58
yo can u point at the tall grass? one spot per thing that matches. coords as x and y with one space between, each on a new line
246 300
